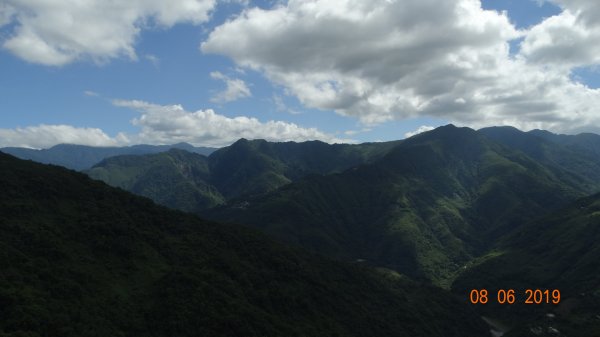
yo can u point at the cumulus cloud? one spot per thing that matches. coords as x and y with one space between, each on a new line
168 124
420 129
236 88
44 136
587 10
382 60
6 13
59 32
569 39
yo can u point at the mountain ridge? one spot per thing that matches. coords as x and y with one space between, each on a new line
81 157
80 258
244 168
425 208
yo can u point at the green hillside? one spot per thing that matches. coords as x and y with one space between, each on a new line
560 251
191 182
567 156
79 258
426 208
588 143
176 178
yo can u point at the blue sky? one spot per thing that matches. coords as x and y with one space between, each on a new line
293 70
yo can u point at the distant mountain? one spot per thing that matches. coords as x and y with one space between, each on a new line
559 251
79 258
81 157
176 178
575 158
586 142
192 182
425 208
257 166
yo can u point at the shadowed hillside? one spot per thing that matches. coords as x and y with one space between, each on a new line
79 258
559 251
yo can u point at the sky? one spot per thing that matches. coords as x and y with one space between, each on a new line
208 72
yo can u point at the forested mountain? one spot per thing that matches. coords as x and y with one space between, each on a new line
558 252
575 158
192 182
586 142
79 258
176 178
425 208
81 157
257 166
454 207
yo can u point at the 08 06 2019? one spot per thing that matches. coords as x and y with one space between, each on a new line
510 296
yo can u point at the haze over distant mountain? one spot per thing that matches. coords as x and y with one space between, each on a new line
81 157
79 258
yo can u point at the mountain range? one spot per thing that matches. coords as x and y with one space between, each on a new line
426 208
81 157
453 208
79 258
193 182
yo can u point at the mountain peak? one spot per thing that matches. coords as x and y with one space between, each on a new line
500 128
447 133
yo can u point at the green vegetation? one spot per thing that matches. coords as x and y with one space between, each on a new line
191 182
454 207
177 178
426 208
79 258
573 158
559 251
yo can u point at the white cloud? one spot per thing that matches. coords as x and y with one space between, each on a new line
587 10
91 93
6 13
168 124
44 136
236 88
382 60
420 129
59 32
568 40
364 58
